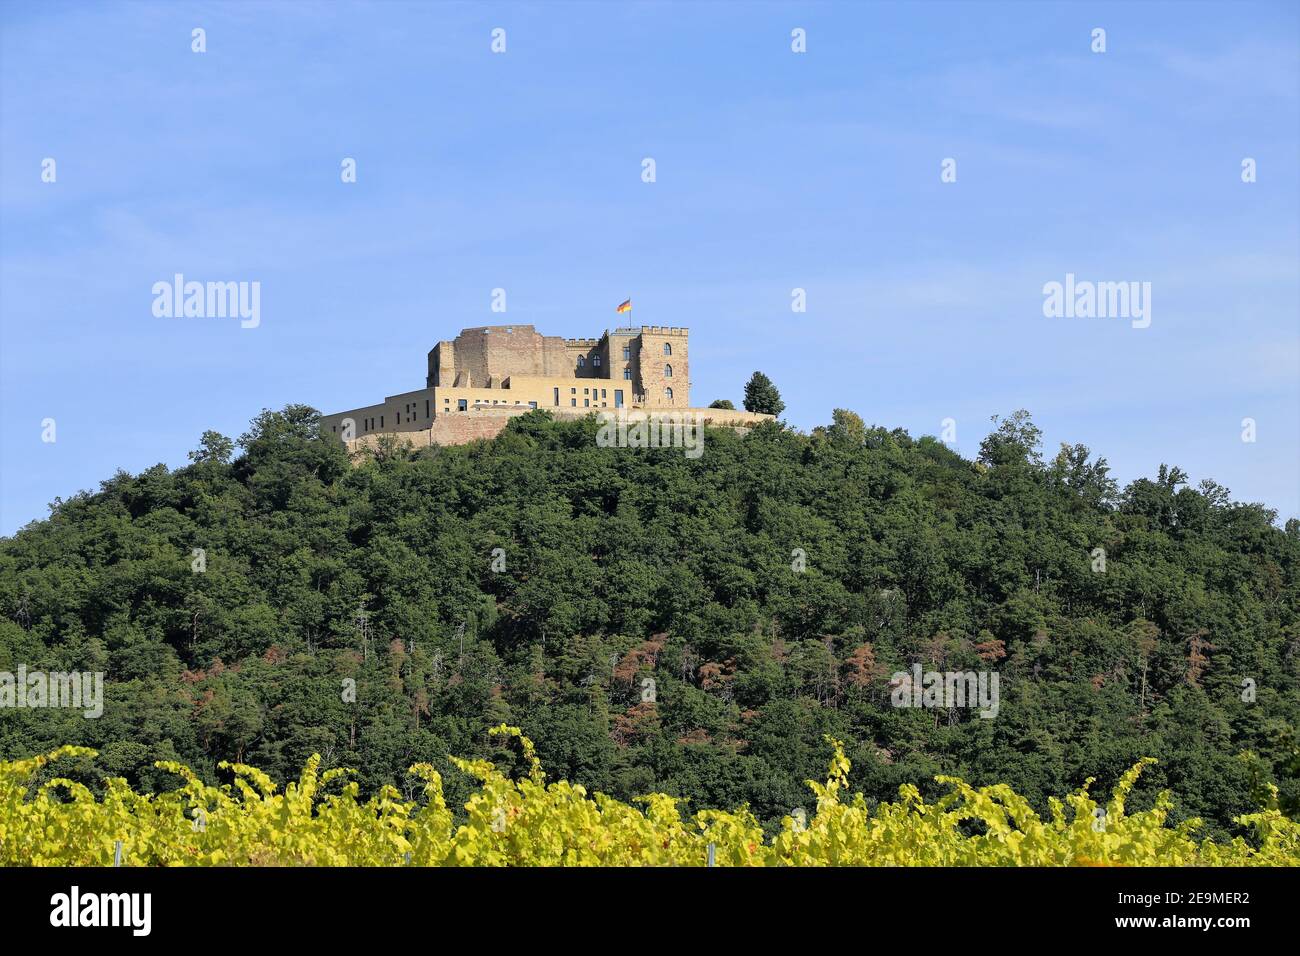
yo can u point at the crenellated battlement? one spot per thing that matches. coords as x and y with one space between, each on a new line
664 330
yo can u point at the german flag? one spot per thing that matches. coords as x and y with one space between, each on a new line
625 307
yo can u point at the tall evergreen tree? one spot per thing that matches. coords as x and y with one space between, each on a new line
761 396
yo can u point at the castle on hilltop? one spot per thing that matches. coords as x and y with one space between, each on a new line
486 375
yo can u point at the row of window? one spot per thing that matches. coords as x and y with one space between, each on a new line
593 394
412 411
627 357
627 350
627 372
462 404
370 424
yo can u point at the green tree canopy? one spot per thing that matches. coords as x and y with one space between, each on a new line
761 396
663 623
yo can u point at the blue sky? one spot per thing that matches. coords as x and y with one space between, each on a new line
775 170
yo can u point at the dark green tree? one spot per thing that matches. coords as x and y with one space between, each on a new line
761 396
769 591
214 448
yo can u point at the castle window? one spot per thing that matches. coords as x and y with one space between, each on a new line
596 361
573 391
627 353
581 361
573 402
586 403
668 348
461 404
668 394
532 404
602 393
668 371
627 373
557 396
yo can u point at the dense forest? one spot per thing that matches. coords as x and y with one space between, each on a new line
654 622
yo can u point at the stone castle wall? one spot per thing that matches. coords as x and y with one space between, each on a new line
488 423
500 367
481 357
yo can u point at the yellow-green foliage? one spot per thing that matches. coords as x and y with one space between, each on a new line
528 822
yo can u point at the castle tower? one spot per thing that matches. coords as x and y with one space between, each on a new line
663 372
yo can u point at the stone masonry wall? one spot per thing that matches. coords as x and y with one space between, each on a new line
654 363
458 429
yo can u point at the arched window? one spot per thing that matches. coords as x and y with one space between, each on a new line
668 371
668 394
668 348
581 361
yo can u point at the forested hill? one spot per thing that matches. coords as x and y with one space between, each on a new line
538 579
